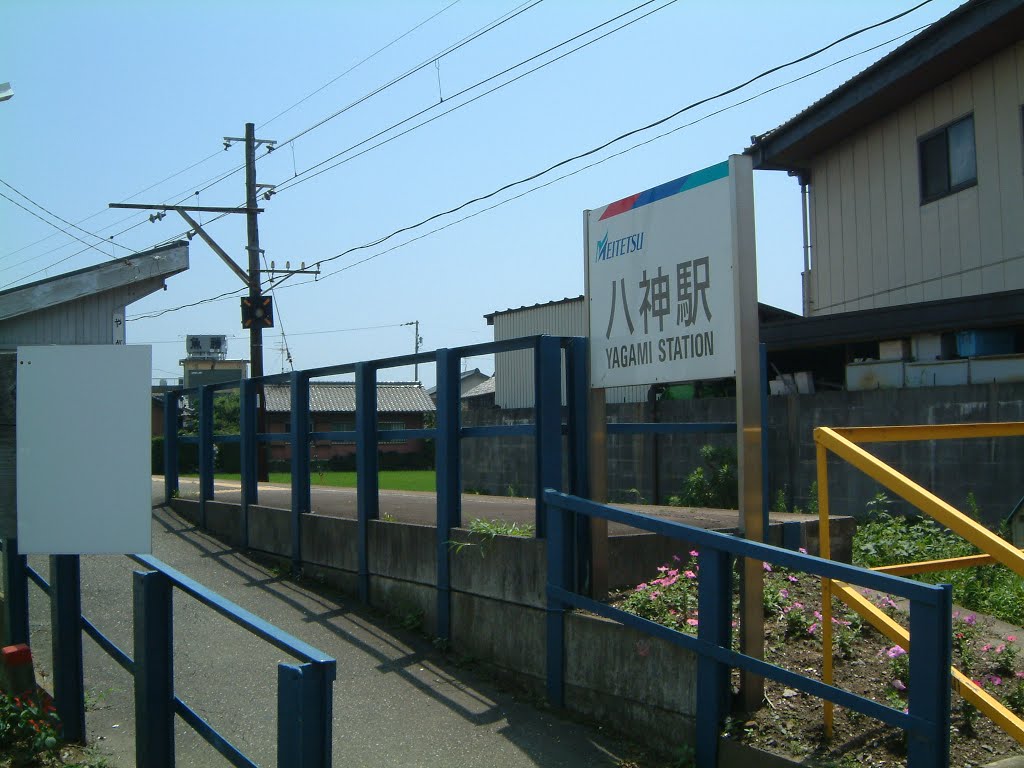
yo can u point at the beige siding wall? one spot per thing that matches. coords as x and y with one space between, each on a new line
875 245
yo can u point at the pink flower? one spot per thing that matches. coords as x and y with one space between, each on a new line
812 629
986 648
677 558
641 587
971 620
674 572
690 574
802 550
1011 638
1019 674
895 652
899 685
798 605
767 567
1000 648
694 553
784 593
655 595
692 622
793 579
995 679
662 568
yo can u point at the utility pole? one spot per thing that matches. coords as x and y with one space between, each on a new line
416 348
255 292
257 310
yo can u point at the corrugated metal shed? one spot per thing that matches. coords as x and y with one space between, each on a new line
513 371
340 397
82 307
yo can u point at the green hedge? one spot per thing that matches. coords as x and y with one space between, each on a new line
228 459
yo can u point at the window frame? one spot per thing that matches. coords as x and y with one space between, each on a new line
950 188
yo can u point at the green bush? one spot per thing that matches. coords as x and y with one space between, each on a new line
714 485
888 539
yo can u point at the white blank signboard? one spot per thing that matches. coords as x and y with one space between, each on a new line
83 437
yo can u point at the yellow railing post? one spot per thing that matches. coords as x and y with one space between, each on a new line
825 551
843 442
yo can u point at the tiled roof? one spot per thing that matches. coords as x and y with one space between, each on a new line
340 397
483 388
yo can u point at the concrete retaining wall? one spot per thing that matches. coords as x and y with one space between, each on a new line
613 673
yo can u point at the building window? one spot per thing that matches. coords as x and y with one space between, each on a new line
948 162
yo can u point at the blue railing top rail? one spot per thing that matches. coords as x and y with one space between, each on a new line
928 594
471 350
235 613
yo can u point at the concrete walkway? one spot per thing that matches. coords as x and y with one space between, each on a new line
396 701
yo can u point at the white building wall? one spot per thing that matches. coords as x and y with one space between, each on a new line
513 371
875 245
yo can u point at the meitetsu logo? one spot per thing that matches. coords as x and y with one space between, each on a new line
610 249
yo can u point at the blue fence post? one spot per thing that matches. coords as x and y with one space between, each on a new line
171 414
66 640
548 408
560 569
928 698
300 460
714 606
766 481
205 450
154 670
577 392
304 704
248 452
15 602
367 483
449 478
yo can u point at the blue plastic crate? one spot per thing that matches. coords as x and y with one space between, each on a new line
982 343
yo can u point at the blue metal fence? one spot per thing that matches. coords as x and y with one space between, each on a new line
926 720
304 692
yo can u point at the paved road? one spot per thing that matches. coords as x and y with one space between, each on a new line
396 702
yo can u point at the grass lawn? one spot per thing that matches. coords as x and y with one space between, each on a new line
419 480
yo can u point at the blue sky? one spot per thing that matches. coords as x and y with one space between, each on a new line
114 99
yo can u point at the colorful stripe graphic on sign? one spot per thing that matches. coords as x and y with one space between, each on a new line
669 188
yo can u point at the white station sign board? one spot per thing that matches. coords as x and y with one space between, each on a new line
660 283
83 437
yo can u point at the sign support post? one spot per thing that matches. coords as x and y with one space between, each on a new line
748 420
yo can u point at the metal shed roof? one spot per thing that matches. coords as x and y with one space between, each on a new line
340 397
78 307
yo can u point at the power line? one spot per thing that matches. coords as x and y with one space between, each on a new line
380 89
47 221
587 153
358 64
59 218
425 63
302 177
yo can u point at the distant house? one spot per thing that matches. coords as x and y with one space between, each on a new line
467 380
480 396
332 405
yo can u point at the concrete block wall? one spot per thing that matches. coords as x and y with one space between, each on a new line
613 673
648 469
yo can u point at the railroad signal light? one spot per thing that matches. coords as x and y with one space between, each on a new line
257 312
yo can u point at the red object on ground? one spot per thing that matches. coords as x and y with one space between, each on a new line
16 655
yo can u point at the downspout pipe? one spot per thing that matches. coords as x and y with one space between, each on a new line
805 201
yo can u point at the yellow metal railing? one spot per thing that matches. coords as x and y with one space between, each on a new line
844 443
